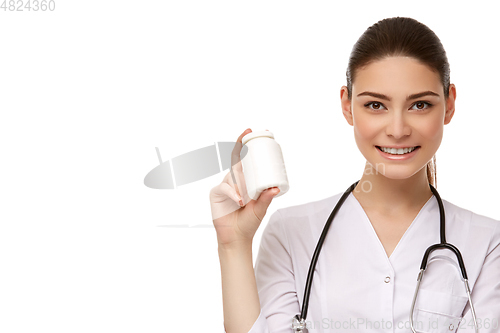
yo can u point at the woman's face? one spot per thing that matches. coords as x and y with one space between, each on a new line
398 102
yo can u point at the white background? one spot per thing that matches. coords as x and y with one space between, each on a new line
88 91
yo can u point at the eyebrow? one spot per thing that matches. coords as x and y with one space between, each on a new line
410 97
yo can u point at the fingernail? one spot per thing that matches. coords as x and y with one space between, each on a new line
273 190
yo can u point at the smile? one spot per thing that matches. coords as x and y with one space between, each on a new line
394 151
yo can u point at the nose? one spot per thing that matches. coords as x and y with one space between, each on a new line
397 125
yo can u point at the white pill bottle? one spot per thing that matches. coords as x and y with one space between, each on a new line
263 164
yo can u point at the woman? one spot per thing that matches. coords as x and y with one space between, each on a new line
398 97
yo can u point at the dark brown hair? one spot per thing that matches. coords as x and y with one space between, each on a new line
406 37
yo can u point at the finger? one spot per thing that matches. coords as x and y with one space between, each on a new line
229 182
223 201
236 168
235 154
238 181
263 202
245 132
227 190
231 188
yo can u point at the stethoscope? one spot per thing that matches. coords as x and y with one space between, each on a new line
299 322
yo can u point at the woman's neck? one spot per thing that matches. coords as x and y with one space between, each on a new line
393 197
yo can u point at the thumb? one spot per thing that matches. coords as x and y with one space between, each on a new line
264 200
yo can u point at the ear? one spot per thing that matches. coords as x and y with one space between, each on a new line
346 105
450 104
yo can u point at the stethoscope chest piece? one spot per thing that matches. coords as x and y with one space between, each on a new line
298 325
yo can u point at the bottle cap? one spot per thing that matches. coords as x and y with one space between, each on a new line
256 134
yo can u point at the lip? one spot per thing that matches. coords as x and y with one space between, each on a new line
398 157
396 146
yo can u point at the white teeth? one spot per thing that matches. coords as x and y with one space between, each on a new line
400 151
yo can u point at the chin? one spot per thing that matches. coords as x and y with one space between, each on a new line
400 172
393 171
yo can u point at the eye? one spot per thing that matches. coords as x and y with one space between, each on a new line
375 105
420 105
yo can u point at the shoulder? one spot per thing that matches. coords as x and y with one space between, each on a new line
473 226
296 228
309 208
302 220
466 214
459 214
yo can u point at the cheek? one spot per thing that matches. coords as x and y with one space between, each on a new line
364 127
433 130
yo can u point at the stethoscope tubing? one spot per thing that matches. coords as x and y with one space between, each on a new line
299 321
314 260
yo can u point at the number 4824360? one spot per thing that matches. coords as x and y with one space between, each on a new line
28 5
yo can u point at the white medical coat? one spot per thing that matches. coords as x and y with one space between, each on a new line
357 288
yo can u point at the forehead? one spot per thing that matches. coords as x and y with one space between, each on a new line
396 76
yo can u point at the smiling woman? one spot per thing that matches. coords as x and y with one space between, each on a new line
398 102
398 98
410 41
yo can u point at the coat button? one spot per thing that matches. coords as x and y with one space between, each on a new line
451 327
387 279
